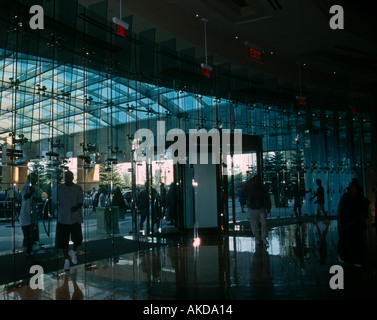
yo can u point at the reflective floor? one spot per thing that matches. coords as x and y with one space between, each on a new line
295 265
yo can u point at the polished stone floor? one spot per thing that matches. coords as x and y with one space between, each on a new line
295 266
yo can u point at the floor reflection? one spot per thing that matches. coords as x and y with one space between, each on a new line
295 265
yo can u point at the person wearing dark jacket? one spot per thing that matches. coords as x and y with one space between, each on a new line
352 216
320 195
118 201
259 204
143 206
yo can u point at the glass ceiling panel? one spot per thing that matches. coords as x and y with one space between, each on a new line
54 99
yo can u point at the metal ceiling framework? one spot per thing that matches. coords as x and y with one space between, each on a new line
63 89
83 85
26 93
80 99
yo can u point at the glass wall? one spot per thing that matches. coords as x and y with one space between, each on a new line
73 100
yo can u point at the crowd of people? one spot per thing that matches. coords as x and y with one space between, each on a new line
70 205
352 215
162 203
353 210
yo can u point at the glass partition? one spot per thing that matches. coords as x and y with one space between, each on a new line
73 100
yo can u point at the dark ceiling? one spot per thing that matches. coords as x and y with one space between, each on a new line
294 34
289 31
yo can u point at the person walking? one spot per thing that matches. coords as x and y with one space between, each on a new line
70 218
259 205
320 195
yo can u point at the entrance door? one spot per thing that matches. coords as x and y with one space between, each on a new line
209 194
199 196
240 169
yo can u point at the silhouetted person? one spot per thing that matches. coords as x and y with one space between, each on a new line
118 201
172 204
94 198
70 218
156 208
297 203
259 204
320 195
242 199
163 199
30 196
352 214
103 199
297 198
143 206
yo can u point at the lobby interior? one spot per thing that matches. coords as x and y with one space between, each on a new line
74 94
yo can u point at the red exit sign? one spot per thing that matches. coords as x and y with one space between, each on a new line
253 52
120 30
120 26
301 101
206 70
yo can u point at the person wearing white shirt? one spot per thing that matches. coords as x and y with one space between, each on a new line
70 218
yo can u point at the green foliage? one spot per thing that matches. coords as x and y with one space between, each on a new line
108 173
282 173
47 172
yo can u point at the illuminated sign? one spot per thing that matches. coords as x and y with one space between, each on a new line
120 26
206 70
253 52
120 30
353 110
301 101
